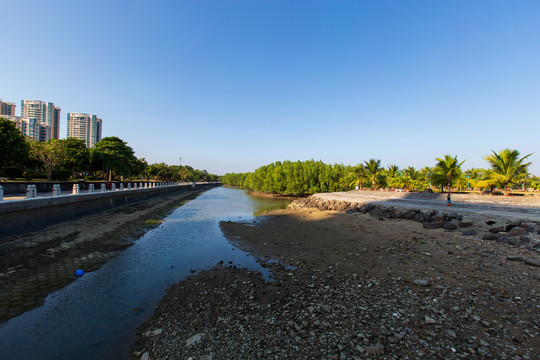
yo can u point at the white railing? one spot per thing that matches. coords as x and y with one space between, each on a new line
31 190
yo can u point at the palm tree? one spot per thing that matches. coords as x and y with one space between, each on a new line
392 176
412 176
507 167
427 172
373 169
447 171
358 174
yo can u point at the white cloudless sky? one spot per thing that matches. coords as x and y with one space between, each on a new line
229 86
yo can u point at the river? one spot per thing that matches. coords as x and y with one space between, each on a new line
96 317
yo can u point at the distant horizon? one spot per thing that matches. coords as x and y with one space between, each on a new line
232 86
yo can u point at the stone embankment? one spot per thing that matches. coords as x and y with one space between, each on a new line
493 228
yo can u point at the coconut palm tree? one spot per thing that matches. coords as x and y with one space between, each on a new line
392 176
412 177
358 175
447 171
507 167
373 170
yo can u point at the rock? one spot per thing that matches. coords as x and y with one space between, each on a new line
449 225
529 227
451 216
466 222
194 339
451 333
432 225
375 350
532 262
145 356
469 233
496 230
490 236
514 258
436 218
429 320
483 343
514 241
517 231
421 282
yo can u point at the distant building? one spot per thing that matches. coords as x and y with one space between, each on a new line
31 127
7 108
44 112
85 127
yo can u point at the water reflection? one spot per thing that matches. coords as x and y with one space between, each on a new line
96 316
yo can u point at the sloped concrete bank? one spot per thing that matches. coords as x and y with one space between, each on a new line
22 216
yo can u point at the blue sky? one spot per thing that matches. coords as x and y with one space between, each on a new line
231 85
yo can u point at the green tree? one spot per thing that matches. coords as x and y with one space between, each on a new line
507 167
373 170
357 176
412 177
49 154
447 171
13 147
77 156
114 156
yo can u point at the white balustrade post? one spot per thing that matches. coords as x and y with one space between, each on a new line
1 193
75 189
91 188
129 186
103 188
113 188
121 186
29 192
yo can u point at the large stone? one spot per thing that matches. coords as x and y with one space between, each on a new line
517 231
490 236
194 339
421 282
466 222
496 230
469 233
433 225
532 262
448 225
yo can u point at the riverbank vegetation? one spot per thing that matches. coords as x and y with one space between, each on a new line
65 159
508 172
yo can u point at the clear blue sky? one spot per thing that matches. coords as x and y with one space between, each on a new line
231 85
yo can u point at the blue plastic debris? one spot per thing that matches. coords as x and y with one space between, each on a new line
79 272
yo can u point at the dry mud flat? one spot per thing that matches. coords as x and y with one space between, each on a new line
355 286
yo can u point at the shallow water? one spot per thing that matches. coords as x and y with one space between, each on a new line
96 316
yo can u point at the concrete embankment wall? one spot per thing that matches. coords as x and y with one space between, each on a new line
17 217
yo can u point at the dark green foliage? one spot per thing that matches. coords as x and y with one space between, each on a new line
61 175
77 156
181 173
13 172
13 147
294 178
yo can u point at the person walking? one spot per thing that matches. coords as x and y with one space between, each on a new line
448 200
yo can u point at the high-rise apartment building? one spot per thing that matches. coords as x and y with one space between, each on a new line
45 112
33 128
85 127
7 108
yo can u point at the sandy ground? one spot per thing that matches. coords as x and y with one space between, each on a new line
35 264
352 286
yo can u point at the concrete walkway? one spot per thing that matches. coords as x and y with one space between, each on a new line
504 206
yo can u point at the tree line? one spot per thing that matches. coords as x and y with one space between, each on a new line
111 158
507 170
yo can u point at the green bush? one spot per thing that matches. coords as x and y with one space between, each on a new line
60 174
13 172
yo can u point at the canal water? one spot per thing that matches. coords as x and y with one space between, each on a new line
96 317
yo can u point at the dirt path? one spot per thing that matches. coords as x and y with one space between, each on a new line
351 286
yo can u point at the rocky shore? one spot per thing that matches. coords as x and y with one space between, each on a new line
355 281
